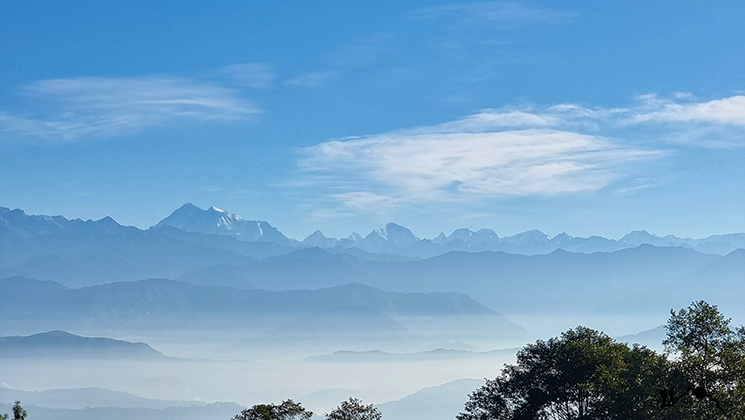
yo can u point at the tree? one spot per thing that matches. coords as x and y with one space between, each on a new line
288 410
710 357
18 412
584 374
354 409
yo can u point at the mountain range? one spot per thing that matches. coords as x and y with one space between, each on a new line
80 398
390 239
157 304
529 273
63 345
558 282
218 410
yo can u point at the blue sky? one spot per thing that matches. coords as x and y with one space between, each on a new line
586 117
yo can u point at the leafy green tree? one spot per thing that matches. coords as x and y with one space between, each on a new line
354 409
288 410
584 374
710 357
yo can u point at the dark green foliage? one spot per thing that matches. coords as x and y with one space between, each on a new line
354 409
288 410
710 357
581 375
18 412
584 374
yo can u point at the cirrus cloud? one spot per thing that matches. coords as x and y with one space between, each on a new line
447 167
517 151
68 109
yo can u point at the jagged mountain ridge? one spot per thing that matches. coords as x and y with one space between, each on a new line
392 239
191 218
397 239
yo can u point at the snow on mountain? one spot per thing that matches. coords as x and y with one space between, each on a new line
399 236
191 218
390 239
18 223
463 235
531 236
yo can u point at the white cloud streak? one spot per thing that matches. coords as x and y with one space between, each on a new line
516 151
727 111
448 167
103 107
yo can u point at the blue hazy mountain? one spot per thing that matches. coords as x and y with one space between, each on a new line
199 412
442 402
397 239
721 281
78 398
191 218
651 338
501 280
377 356
166 304
63 345
532 242
80 253
390 239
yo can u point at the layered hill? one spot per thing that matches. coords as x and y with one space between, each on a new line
63 345
164 304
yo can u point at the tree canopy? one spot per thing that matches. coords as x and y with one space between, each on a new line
710 357
288 410
18 412
354 409
584 374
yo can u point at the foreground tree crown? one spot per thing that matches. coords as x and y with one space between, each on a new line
18 412
288 410
354 409
584 374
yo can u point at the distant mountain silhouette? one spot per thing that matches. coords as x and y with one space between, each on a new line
191 218
162 304
200 412
200 227
721 281
550 282
651 338
440 402
78 398
63 345
377 356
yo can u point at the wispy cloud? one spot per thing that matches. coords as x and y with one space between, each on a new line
68 109
684 108
518 151
449 167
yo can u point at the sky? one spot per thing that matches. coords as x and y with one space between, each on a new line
585 117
